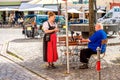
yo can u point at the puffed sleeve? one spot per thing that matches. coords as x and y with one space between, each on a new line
45 26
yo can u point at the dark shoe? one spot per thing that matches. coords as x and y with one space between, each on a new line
53 67
83 66
49 67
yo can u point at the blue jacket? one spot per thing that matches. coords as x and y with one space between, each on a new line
96 39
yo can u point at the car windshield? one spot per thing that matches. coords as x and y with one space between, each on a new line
109 15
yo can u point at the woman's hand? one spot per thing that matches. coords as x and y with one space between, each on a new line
56 30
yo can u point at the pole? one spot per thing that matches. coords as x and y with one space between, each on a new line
98 65
58 9
58 13
66 17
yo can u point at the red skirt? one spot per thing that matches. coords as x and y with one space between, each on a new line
52 55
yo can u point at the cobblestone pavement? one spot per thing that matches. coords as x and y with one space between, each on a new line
31 52
11 71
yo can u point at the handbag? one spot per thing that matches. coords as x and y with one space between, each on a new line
47 37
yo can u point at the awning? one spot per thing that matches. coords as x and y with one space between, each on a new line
54 1
54 7
16 7
27 5
8 9
37 9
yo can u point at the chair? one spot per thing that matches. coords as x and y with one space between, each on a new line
93 59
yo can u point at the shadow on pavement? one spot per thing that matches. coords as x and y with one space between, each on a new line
22 40
37 65
40 67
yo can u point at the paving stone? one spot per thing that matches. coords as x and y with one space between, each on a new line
31 51
12 71
34 57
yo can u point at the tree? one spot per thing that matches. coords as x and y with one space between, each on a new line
91 17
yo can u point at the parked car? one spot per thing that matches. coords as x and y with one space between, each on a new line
111 17
79 21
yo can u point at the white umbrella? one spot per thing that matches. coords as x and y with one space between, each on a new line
100 11
74 11
37 9
8 9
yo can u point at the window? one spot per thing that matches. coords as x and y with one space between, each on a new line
109 15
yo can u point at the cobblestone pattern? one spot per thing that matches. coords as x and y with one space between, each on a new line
11 71
31 51
32 54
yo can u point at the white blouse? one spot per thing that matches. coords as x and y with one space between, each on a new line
46 26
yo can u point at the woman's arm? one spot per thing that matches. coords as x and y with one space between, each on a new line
49 31
46 26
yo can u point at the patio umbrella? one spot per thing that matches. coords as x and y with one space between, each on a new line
76 11
73 11
100 11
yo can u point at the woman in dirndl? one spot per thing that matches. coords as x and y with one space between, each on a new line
49 47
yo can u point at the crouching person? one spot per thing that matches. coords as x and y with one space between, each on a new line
94 41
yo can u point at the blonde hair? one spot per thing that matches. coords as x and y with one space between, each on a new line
51 14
